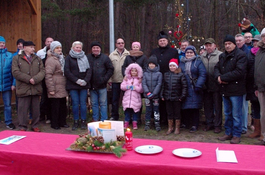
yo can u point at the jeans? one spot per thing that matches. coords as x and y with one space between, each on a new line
116 91
6 95
245 113
152 106
79 98
130 112
99 103
233 115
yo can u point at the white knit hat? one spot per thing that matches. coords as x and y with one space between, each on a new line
262 32
55 44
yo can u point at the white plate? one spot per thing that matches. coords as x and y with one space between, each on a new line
148 149
187 152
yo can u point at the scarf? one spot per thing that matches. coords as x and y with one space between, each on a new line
82 60
188 64
254 50
61 60
136 53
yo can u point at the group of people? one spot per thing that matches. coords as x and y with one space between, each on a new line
178 80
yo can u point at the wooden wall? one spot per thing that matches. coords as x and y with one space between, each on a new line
20 19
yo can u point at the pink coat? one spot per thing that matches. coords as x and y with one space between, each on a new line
132 98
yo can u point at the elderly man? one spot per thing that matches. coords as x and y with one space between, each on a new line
230 73
117 58
42 53
259 76
7 82
164 54
102 70
240 42
212 96
28 84
248 39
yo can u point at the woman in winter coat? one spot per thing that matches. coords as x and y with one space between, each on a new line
194 69
78 73
55 82
132 86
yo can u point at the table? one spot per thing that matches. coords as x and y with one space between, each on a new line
45 153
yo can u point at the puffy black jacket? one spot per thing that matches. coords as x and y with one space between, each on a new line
135 57
102 70
152 82
174 86
232 69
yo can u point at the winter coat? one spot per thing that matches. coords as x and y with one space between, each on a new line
72 74
198 72
232 69
54 78
132 98
117 62
209 63
102 70
135 57
6 77
23 71
42 53
164 55
250 83
174 86
259 72
152 82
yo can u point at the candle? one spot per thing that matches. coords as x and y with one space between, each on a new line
128 139
105 125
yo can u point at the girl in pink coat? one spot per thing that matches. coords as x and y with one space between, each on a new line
132 85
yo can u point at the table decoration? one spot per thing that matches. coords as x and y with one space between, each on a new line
129 139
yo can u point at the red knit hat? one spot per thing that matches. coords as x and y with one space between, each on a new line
174 61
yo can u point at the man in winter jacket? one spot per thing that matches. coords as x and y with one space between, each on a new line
230 73
117 58
42 53
28 70
7 84
211 95
102 70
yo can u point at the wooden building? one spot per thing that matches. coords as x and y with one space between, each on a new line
20 19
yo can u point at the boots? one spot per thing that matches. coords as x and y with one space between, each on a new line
261 137
135 125
157 125
177 126
257 131
75 126
126 125
170 127
147 125
83 124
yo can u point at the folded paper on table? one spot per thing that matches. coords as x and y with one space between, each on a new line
118 126
107 134
226 156
11 139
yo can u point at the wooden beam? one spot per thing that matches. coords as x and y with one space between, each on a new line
32 6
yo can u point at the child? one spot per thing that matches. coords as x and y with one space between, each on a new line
174 90
152 82
132 101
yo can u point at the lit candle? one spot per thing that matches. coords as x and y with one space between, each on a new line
129 139
105 125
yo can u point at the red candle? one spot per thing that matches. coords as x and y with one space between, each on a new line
129 139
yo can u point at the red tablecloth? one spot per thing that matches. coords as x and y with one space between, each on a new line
45 153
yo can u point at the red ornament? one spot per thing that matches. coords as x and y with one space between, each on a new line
177 26
179 43
178 35
177 15
239 24
172 46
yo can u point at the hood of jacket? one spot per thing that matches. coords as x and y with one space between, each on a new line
134 66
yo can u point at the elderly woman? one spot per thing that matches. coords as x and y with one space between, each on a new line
78 74
55 82
195 72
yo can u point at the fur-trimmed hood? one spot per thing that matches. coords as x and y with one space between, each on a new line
261 45
134 66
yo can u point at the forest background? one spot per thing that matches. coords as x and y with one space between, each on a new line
141 20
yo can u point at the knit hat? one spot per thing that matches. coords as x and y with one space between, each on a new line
20 40
230 38
262 32
152 59
95 43
256 38
136 43
161 35
2 39
245 23
28 43
174 61
55 44
192 48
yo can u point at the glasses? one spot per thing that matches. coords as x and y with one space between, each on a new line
247 37
189 52
120 43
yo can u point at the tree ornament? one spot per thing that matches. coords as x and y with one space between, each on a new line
170 32
177 15
239 24
178 35
172 46
179 43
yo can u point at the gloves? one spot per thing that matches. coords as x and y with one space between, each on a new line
132 88
150 95
83 83
79 81
128 87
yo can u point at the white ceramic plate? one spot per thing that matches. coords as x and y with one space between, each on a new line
187 152
148 149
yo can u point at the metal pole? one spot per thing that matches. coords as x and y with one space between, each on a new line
188 21
111 26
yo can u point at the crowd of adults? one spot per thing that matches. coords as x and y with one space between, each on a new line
215 80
